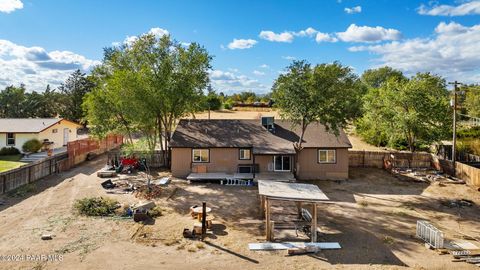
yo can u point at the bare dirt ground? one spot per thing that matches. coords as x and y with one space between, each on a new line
372 216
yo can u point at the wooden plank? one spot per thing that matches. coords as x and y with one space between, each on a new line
267 216
314 223
289 245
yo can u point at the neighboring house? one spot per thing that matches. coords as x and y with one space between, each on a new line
56 131
259 149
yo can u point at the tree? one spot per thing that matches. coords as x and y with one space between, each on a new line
148 85
374 78
413 112
73 90
12 101
326 94
472 101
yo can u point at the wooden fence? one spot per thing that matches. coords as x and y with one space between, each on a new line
155 160
388 159
77 152
29 173
470 174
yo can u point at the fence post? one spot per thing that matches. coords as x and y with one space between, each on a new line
4 184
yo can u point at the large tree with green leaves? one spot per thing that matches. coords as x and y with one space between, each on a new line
73 91
327 93
147 86
472 100
412 112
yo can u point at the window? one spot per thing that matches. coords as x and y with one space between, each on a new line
10 139
327 156
281 163
245 153
201 155
54 130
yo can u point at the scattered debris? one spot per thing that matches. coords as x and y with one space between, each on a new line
140 215
105 174
305 250
457 203
145 206
47 237
291 245
148 193
108 184
163 181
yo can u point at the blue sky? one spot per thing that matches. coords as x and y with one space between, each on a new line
41 42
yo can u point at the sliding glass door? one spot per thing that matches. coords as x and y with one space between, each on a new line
281 163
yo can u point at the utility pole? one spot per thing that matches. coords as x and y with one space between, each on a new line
454 106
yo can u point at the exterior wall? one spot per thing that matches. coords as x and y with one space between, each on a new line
20 139
310 169
223 160
57 138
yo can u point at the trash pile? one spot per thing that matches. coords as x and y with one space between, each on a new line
461 249
425 175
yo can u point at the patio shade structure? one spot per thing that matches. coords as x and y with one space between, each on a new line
295 192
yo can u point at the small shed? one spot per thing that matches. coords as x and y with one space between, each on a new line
295 192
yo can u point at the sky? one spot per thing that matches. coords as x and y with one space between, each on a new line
252 42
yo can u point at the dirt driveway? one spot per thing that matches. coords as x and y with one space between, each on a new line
373 218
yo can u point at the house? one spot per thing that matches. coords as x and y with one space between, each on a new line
256 149
14 132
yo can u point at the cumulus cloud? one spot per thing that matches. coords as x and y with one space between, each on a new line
36 67
309 32
356 33
156 31
274 37
258 73
229 82
264 66
468 8
241 44
452 52
353 10
8 6
289 58
325 37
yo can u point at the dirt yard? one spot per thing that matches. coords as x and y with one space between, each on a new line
372 216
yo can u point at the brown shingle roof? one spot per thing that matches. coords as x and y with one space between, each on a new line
250 133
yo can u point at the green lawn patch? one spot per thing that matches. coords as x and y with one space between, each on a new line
10 162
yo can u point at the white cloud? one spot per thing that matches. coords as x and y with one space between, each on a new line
264 66
241 44
228 82
36 67
353 10
356 33
310 32
258 73
468 8
8 6
156 31
325 37
271 36
452 52
290 58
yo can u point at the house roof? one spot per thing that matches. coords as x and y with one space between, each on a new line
27 125
250 133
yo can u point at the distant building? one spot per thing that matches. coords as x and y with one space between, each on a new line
56 132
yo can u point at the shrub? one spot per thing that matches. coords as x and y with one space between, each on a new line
8 151
227 106
22 191
32 146
95 206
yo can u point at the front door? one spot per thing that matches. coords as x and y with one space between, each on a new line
281 163
66 133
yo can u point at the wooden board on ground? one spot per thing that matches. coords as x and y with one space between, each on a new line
292 245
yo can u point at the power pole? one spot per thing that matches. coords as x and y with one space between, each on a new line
454 106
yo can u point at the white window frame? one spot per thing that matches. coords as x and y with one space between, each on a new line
328 153
7 139
282 157
200 150
242 154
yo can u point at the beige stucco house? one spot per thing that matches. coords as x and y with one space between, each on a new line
256 149
14 132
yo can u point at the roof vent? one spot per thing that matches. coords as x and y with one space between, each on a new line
269 123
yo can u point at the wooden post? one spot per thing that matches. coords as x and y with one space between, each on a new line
314 223
204 219
299 209
267 217
262 205
4 184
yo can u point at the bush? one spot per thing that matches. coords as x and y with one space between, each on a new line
96 206
227 106
32 146
9 151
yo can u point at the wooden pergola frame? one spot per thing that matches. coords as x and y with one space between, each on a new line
270 191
